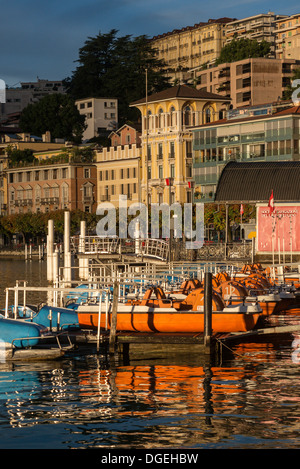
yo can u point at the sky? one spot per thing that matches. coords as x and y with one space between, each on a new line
41 39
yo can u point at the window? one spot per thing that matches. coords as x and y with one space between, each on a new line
87 173
172 150
187 115
149 153
55 191
29 193
173 116
37 193
160 151
65 193
160 120
87 190
160 172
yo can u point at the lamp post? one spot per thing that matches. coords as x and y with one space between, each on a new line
146 156
169 182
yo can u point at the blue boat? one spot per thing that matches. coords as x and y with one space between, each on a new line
18 333
63 319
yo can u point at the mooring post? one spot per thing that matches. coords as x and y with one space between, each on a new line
207 309
50 250
113 326
67 250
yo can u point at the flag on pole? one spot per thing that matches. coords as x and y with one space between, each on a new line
168 182
242 209
271 203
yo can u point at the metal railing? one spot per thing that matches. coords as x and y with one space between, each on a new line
156 248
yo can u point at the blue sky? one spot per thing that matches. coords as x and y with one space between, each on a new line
42 39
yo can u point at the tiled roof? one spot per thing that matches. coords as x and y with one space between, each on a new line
180 91
254 181
196 26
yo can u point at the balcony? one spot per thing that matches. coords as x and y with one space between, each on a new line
88 199
104 198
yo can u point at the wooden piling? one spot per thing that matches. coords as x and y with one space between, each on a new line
113 326
207 309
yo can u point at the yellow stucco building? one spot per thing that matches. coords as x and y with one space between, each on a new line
167 140
190 47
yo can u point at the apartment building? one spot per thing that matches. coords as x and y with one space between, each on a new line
264 133
49 186
21 141
190 47
118 173
248 82
166 157
101 116
260 27
288 37
28 93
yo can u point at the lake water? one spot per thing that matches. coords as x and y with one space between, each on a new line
249 401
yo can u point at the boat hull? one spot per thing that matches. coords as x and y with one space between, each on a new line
18 333
143 319
50 316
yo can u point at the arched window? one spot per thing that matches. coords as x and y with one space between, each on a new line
172 116
187 115
208 114
160 118
148 121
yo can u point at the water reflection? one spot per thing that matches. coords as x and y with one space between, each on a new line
252 400
97 404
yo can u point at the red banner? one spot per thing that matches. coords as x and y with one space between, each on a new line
278 231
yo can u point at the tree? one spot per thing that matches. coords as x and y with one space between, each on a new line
244 48
56 113
111 66
16 156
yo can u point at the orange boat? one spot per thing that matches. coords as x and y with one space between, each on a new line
233 291
157 313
